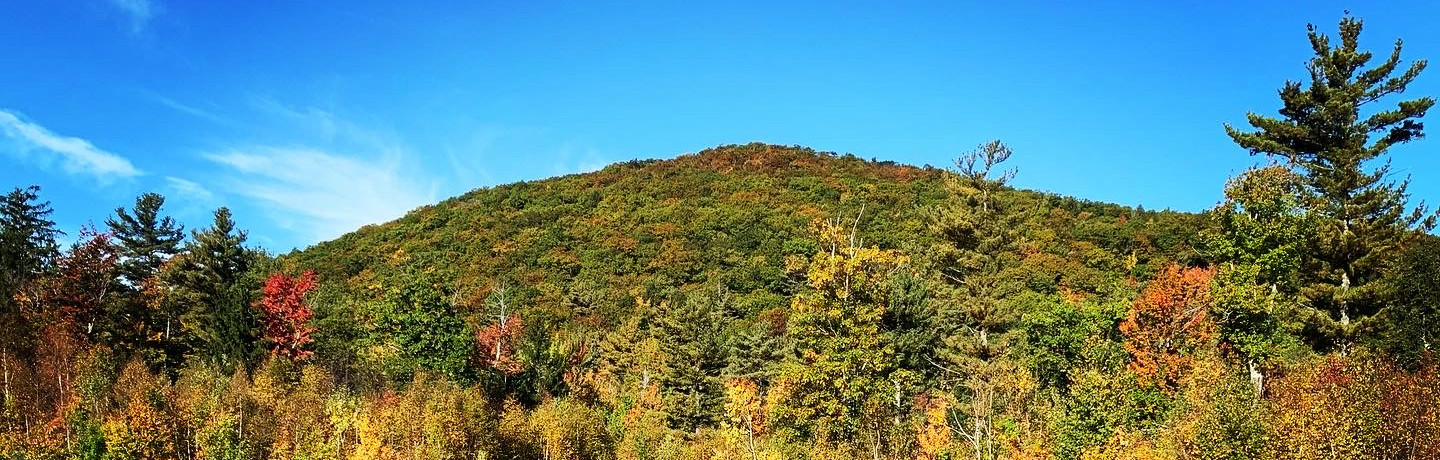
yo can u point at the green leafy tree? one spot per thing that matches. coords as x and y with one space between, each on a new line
844 380
426 330
1260 242
1410 330
1361 217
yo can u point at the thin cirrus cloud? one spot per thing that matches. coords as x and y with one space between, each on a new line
31 142
321 193
138 12
189 189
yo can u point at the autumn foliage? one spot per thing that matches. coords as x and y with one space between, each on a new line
1168 324
285 315
495 344
74 295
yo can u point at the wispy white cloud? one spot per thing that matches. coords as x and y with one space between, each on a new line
138 12
192 110
323 193
32 142
189 190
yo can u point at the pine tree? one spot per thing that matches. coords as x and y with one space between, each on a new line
207 292
146 239
146 242
754 353
1360 215
691 338
980 243
27 249
27 241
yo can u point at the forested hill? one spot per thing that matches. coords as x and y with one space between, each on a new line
585 246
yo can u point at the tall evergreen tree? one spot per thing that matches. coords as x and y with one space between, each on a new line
147 240
27 239
691 338
214 305
27 248
1361 215
980 242
137 322
754 352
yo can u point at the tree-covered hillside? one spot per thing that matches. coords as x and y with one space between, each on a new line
584 246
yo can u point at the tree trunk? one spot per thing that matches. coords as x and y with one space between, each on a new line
1257 378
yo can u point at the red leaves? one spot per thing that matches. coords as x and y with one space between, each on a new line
496 344
285 315
74 295
1169 323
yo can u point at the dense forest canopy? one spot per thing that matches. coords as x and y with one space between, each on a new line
764 301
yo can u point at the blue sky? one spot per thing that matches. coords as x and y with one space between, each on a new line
309 119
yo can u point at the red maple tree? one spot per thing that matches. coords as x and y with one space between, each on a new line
285 314
74 295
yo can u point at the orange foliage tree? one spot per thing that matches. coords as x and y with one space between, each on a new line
496 344
1168 324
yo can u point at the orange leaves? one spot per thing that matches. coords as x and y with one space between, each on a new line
1168 324
496 344
74 295
286 316
933 436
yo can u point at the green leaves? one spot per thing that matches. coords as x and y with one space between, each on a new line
426 331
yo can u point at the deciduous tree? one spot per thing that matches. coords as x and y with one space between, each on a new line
286 315
1168 324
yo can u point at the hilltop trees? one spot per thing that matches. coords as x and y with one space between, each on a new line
1360 216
